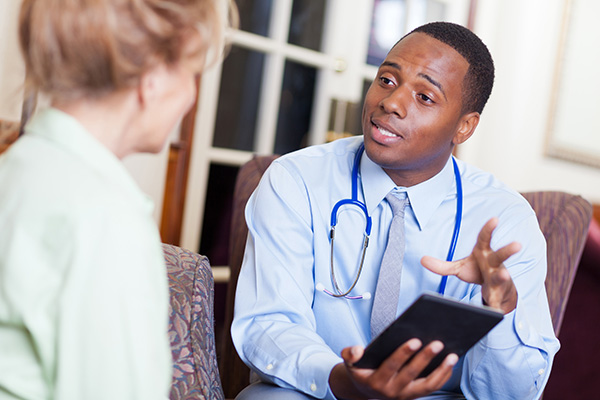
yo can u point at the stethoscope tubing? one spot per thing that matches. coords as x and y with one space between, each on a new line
353 201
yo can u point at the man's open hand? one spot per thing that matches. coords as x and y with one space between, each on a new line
485 267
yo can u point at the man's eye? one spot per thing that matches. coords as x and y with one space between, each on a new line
425 98
386 81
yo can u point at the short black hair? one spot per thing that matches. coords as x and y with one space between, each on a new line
479 80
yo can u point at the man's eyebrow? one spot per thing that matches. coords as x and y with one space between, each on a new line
434 83
422 75
391 64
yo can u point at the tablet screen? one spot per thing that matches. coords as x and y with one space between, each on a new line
433 317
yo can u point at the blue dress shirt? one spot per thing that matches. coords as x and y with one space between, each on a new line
291 333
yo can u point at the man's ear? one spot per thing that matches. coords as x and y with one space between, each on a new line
466 128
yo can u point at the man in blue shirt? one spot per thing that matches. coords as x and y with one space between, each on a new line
299 340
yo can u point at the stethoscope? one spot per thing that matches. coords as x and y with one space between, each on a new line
355 202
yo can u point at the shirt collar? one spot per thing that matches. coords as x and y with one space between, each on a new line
424 198
65 131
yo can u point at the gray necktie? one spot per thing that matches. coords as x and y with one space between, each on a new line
385 301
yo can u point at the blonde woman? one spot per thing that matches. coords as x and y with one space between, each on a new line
83 291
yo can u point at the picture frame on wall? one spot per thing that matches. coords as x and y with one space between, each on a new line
573 132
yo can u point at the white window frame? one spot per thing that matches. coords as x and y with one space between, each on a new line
341 67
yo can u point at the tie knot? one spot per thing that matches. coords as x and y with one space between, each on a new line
398 201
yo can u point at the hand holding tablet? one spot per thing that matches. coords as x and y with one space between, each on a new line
431 317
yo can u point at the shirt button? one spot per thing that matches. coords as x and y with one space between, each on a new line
270 366
313 387
541 371
520 325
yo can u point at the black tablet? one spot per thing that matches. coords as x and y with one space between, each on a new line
433 317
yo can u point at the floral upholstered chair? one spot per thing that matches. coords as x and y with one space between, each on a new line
191 326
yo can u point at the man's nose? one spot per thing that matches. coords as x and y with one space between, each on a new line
396 102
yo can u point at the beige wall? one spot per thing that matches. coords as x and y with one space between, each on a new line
11 67
523 36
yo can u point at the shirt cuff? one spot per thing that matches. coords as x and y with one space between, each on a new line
311 377
504 335
315 381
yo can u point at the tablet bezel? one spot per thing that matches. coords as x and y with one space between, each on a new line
433 317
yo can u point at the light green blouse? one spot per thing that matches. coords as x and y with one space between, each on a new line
83 285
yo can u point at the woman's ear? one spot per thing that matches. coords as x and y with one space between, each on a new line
466 128
149 85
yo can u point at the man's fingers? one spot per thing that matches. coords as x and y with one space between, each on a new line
504 253
397 376
352 354
437 378
485 235
407 380
422 359
438 266
394 363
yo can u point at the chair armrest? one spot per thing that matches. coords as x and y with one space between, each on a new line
191 325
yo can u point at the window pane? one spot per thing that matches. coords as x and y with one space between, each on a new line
355 119
238 99
387 27
354 116
392 19
217 214
306 25
255 15
423 11
295 108
350 121
436 10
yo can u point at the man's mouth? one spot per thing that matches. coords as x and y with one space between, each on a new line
385 132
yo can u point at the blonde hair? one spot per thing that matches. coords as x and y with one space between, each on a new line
89 48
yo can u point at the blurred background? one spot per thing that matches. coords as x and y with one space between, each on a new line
296 74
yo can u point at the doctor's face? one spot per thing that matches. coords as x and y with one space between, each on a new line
412 111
